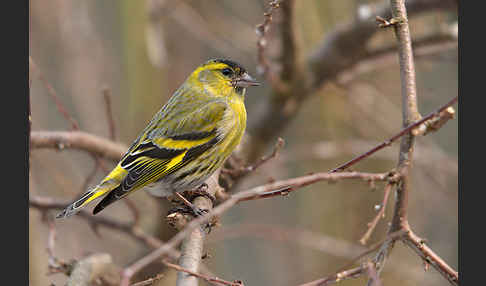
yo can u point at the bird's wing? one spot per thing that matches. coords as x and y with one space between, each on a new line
170 141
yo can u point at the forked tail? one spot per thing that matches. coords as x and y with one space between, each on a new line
86 198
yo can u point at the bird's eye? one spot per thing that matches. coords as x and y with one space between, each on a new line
227 72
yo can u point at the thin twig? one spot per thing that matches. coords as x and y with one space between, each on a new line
53 94
430 257
410 114
109 113
78 140
430 45
380 214
45 203
283 188
149 281
342 275
242 171
371 270
201 276
292 235
256 192
403 132
264 67
388 239
54 265
340 50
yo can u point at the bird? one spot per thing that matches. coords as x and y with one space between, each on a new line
185 142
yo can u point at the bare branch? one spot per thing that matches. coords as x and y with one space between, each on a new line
88 269
149 281
295 235
339 51
264 67
425 46
290 64
109 113
283 188
430 257
371 270
405 131
343 47
410 114
45 203
204 277
53 94
269 190
193 244
380 214
342 275
238 172
78 140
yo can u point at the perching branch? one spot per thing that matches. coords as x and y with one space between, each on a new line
286 102
263 191
193 274
193 244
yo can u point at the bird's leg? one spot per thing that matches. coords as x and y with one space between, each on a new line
196 211
189 196
202 190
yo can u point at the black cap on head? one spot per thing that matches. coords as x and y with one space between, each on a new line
234 65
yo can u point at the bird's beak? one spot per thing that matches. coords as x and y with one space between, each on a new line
246 80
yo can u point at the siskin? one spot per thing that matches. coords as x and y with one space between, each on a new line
185 142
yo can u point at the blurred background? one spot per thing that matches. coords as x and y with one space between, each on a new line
143 50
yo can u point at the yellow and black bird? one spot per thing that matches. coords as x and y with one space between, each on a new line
185 142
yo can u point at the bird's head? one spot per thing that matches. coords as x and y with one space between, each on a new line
223 77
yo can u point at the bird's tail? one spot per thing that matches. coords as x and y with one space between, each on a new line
87 197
